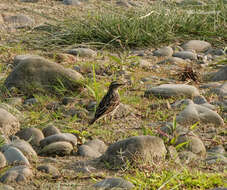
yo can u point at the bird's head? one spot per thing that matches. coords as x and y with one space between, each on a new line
115 84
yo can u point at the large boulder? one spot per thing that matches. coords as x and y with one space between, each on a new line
133 149
196 45
34 73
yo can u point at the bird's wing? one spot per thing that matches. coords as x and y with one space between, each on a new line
107 105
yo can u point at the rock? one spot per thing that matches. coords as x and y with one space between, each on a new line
2 161
67 137
164 51
8 123
50 130
144 64
34 135
12 110
220 75
213 158
68 100
34 73
172 60
85 169
203 102
49 169
220 90
30 101
113 183
16 174
6 187
94 149
217 149
172 90
60 148
29 1
185 55
25 148
71 2
142 147
14 155
15 101
194 113
196 45
18 20
187 157
173 154
194 144
82 52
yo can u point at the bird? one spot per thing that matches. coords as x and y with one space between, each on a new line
109 102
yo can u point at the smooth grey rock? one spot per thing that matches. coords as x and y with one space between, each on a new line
16 174
82 52
50 130
196 45
71 2
220 75
29 1
15 101
34 135
8 123
25 148
142 147
18 58
94 148
194 145
14 155
113 183
18 20
220 90
194 113
67 137
2 160
213 158
164 51
36 73
60 148
185 55
201 100
173 60
49 169
172 90
217 149
188 156
6 187
30 101
15 112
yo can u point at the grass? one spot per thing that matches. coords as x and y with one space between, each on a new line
148 26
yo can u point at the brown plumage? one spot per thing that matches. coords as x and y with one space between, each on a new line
109 102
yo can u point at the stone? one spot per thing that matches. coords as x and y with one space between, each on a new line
14 155
173 154
194 113
196 45
67 137
35 73
8 123
172 90
94 148
49 169
29 1
144 64
173 60
18 20
34 135
71 2
6 187
30 101
201 100
82 52
217 149
113 183
16 174
194 144
15 101
68 100
15 112
220 90
145 148
220 75
164 51
185 55
188 156
60 148
50 130
25 148
2 160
